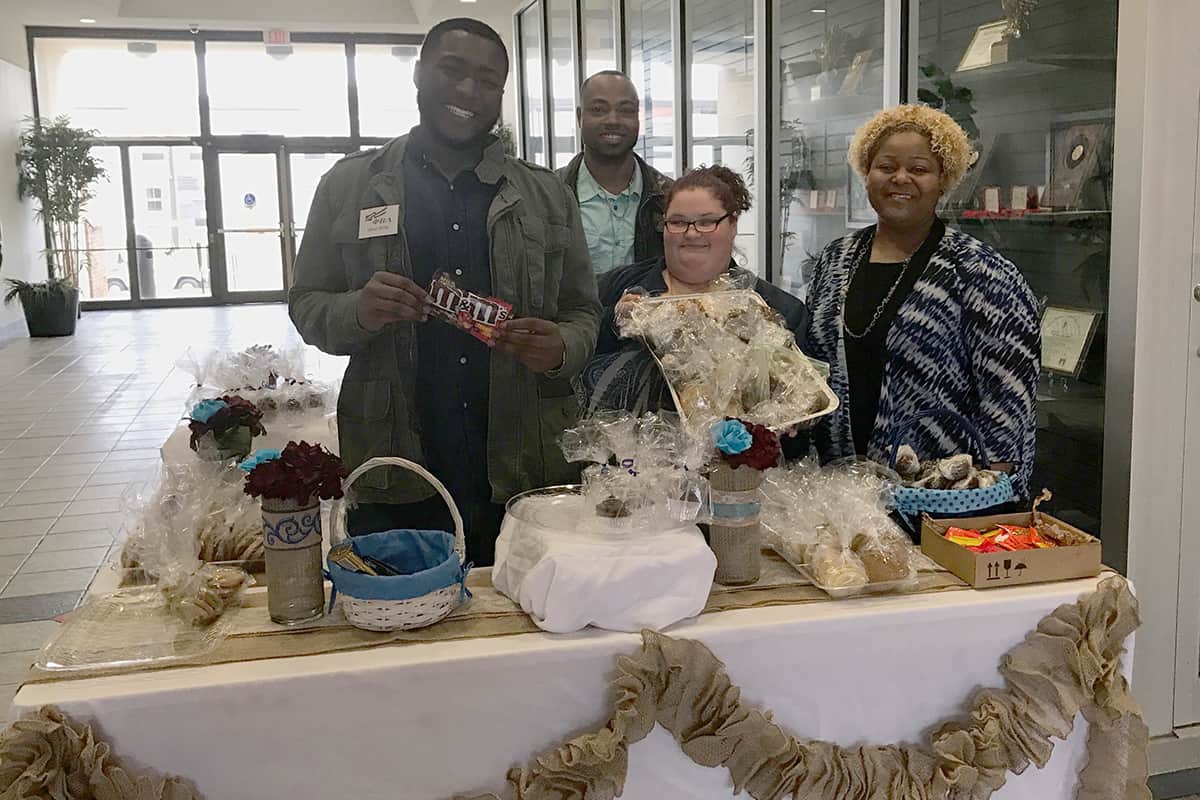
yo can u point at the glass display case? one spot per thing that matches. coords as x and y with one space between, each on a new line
1036 93
1033 83
830 82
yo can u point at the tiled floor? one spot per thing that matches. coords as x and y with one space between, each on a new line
82 420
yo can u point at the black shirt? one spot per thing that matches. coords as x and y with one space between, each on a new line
866 358
445 222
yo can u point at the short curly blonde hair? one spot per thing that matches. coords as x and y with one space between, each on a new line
946 138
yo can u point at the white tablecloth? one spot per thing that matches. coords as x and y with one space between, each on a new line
425 721
313 428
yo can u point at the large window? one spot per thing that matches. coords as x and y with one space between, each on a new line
562 79
721 105
831 81
1040 108
278 117
170 225
533 96
652 69
599 32
119 87
105 269
295 90
387 96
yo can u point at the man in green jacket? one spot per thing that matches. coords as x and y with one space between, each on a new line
484 418
621 197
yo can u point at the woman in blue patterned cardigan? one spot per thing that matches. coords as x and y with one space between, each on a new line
913 316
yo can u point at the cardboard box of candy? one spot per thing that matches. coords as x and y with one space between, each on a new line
1005 550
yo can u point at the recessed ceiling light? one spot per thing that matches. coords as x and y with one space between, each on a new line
818 11
467 1
87 20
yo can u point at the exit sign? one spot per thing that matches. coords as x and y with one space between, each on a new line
277 37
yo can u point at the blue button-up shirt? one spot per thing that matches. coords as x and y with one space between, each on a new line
609 220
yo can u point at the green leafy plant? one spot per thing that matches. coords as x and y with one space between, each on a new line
32 293
795 174
57 168
956 101
504 132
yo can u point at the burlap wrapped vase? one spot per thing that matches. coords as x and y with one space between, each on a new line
734 534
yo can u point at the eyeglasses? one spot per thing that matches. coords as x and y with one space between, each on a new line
701 225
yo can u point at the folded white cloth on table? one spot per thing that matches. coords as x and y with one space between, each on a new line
567 579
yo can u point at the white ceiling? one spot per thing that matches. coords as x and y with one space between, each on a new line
358 16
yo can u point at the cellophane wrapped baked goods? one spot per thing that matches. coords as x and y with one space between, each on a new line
727 354
192 534
644 472
953 472
274 380
835 521
201 503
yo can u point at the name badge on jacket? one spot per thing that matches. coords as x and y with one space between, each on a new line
378 221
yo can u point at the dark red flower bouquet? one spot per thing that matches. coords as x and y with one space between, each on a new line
300 473
744 444
233 422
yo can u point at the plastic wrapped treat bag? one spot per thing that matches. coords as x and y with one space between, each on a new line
196 591
835 520
728 354
274 380
643 472
204 504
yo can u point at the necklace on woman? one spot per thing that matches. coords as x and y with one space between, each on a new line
865 332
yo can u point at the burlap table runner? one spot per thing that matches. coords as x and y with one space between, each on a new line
254 637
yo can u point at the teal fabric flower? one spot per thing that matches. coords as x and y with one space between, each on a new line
731 437
259 456
207 409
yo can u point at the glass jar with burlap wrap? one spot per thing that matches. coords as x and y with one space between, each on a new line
734 534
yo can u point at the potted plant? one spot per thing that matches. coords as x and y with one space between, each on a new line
742 452
57 168
224 428
292 483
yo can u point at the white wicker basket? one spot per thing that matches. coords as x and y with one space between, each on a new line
415 612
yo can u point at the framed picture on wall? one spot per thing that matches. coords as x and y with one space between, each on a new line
1067 335
859 213
1079 164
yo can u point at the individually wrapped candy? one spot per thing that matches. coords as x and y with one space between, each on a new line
727 354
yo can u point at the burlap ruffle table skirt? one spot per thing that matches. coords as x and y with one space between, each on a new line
1068 664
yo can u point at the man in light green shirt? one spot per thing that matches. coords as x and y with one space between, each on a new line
608 219
621 197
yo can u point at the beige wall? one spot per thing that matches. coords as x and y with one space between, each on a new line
23 240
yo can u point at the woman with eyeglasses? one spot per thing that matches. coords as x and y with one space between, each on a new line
699 229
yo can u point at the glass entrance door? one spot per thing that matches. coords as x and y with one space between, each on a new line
264 203
254 228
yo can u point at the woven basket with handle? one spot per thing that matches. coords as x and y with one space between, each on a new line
391 605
